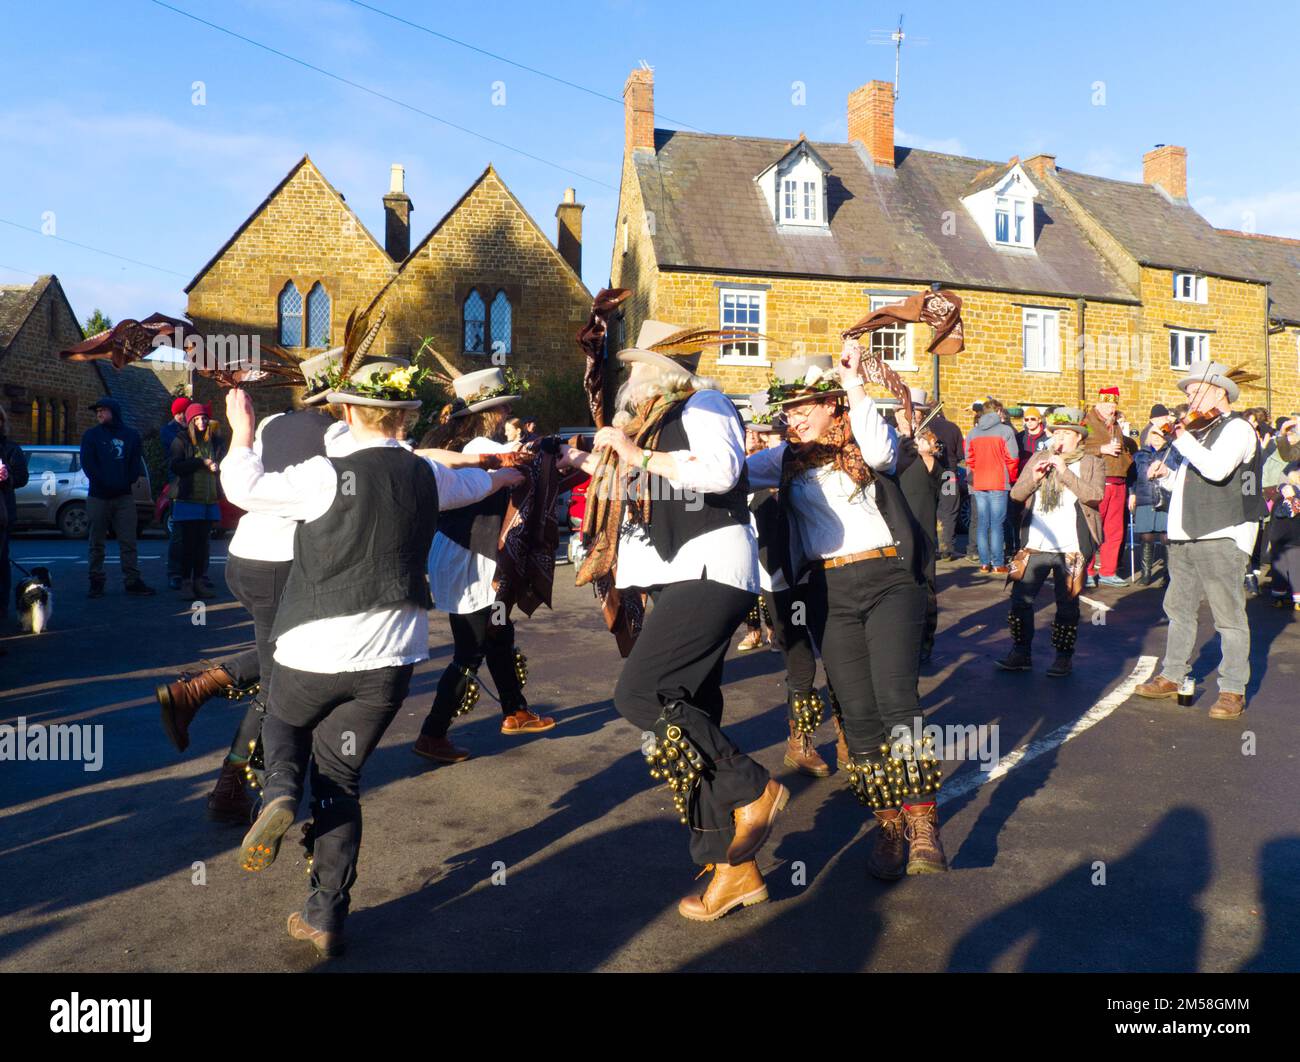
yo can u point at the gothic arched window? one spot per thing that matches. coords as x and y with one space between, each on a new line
475 323
318 316
290 314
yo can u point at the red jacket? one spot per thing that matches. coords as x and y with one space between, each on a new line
991 461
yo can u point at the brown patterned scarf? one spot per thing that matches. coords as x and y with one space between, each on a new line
611 484
835 448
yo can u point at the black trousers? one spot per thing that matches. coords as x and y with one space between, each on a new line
674 675
789 614
335 722
868 619
1039 566
949 508
196 536
476 638
6 576
258 586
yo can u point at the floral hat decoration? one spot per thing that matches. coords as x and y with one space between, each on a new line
803 379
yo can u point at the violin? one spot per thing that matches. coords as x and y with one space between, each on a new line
1196 423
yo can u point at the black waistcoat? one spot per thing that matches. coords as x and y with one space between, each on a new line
913 547
677 516
1209 506
371 548
476 527
293 438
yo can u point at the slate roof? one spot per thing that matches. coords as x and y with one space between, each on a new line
1278 258
144 398
1157 230
884 225
16 304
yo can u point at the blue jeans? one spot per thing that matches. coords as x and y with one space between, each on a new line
992 507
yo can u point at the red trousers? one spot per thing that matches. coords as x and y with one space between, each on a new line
1114 503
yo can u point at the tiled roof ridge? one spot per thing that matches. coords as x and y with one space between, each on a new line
785 141
1260 236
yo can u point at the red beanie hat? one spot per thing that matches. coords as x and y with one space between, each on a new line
195 409
1109 391
180 405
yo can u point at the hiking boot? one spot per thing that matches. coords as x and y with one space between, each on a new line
139 588
731 887
1228 706
800 754
754 823
925 849
229 800
261 843
182 699
328 944
1159 687
1016 660
889 850
1061 666
841 745
440 750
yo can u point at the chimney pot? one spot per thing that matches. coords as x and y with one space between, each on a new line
397 178
871 120
1039 164
1165 165
397 215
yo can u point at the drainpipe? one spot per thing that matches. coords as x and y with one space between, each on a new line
1268 352
1080 318
935 397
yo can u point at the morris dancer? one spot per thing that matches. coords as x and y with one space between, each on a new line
858 549
671 520
1215 507
1061 489
462 574
352 623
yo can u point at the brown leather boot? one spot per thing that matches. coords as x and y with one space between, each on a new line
1159 687
754 822
1228 706
731 887
229 800
841 745
800 754
889 852
328 944
440 750
925 849
182 699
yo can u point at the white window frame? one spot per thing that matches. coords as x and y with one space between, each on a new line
1048 323
1200 349
727 355
905 363
1194 283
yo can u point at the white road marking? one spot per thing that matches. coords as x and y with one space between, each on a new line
1099 605
1142 670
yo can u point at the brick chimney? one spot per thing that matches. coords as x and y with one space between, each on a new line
871 120
1166 165
397 216
568 239
1040 164
639 110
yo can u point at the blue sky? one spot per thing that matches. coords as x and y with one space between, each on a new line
99 133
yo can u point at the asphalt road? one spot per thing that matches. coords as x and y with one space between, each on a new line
1153 839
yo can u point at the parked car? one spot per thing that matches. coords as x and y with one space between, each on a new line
56 491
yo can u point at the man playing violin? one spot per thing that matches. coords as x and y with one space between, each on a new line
1215 505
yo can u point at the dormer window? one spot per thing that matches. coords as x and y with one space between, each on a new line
795 187
1002 203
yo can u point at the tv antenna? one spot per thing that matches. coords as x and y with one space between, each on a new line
896 37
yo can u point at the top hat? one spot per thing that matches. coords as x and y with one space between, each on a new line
807 378
380 382
485 389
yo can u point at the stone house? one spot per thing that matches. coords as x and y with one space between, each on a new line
1069 281
485 280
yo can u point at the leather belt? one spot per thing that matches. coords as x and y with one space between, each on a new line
853 558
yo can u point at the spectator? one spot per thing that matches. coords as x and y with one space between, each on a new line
992 459
1284 541
1107 440
514 430
13 476
921 475
112 460
166 435
952 447
195 460
1031 438
1147 503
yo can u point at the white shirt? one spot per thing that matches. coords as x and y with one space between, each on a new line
831 516
461 580
711 464
387 636
1235 445
1057 531
263 537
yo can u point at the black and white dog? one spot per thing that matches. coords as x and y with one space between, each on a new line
34 600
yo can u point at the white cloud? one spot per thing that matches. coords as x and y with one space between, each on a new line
1276 212
948 145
